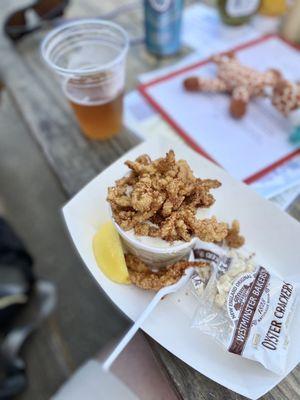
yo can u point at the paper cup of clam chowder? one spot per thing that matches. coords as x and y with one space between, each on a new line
156 252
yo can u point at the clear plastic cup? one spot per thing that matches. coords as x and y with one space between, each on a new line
89 56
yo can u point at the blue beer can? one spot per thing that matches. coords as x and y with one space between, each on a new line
163 26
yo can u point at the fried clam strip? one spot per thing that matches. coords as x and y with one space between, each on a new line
200 196
210 230
184 224
141 276
234 239
160 198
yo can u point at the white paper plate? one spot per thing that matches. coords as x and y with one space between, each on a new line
272 233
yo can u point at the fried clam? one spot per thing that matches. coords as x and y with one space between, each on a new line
234 239
160 198
141 276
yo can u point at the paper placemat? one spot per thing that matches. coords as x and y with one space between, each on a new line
246 148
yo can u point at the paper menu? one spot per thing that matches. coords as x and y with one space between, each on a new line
284 199
280 179
246 147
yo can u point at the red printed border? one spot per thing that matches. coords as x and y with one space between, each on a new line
144 87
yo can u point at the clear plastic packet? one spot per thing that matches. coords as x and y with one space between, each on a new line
245 307
204 252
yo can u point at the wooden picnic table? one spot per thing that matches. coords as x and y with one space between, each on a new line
76 160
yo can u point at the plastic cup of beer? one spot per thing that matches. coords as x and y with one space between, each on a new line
89 56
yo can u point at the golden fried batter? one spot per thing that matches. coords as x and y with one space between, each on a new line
233 238
141 276
210 230
135 264
160 198
200 197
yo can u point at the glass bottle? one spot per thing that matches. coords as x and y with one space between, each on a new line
290 28
237 12
273 8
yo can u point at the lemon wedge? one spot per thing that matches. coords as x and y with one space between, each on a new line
109 254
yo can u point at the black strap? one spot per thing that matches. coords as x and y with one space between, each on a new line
14 254
15 380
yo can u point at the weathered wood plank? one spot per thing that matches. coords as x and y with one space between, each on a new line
189 383
194 386
74 158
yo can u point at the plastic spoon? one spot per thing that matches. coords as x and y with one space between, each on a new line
135 327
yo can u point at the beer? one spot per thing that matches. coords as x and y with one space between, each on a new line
102 120
89 57
97 103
